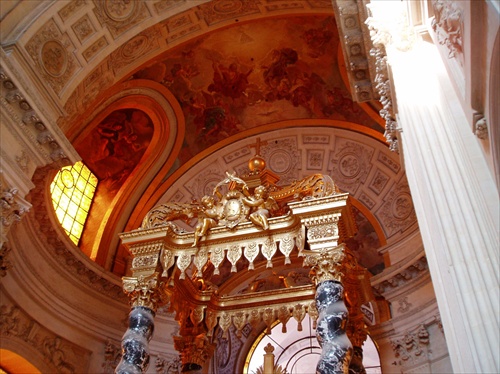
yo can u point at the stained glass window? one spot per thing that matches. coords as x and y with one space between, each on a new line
72 192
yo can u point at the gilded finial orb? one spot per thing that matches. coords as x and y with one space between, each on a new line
256 164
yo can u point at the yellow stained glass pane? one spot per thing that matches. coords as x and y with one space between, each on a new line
72 209
78 166
72 191
77 196
81 215
85 203
56 193
77 229
93 180
64 202
81 183
89 190
85 173
60 213
74 239
67 223
59 181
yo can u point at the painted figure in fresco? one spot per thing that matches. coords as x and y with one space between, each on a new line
229 81
317 40
207 219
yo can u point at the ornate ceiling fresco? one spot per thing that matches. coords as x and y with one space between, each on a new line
183 88
249 75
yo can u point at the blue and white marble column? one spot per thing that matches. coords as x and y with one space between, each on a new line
145 295
330 330
135 342
326 266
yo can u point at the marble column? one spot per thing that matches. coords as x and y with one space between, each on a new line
326 273
145 294
135 342
330 330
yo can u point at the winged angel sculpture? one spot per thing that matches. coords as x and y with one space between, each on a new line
232 202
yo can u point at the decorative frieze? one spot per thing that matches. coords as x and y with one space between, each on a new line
112 356
402 277
33 129
121 15
413 346
167 365
448 24
350 17
58 353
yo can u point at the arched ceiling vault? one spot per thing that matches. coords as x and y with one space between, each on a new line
160 99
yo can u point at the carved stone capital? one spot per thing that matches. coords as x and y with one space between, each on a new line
325 265
145 291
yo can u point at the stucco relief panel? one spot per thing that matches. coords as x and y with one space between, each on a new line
378 181
237 154
350 164
284 158
120 16
397 212
136 49
52 53
164 5
83 28
95 48
315 158
205 181
219 11
73 7
393 165
56 351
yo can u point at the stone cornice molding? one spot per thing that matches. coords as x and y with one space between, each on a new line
45 142
398 276
356 45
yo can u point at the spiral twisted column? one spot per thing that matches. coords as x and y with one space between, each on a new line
332 312
146 293
330 330
135 342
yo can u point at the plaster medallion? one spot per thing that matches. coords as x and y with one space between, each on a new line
402 206
119 10
349 165
227 6
54 58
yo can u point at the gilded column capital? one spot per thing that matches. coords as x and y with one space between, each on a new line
325 264
194 350
145 291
